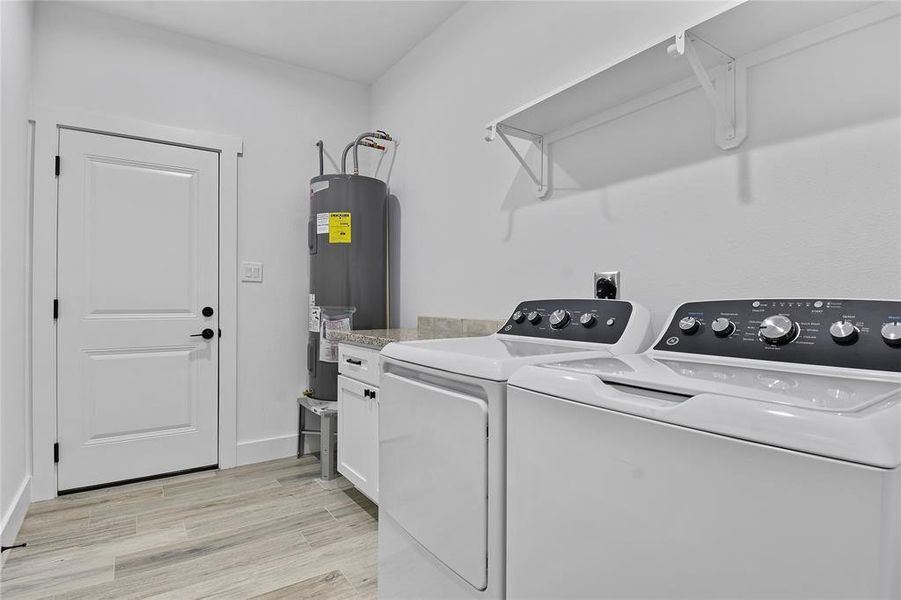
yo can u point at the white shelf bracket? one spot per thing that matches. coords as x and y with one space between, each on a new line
541 179
724 91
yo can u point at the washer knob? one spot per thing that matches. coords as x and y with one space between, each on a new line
777 330
891 334
559 319
689 325
588 320
533 317
518 317
722 327
843 332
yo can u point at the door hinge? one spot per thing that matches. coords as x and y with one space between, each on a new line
56 452
220 332
55 309
56 165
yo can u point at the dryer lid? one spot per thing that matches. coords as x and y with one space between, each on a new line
494 357
845 417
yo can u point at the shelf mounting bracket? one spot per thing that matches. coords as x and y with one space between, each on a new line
724 90
541 178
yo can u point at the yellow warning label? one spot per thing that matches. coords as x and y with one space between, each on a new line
339 228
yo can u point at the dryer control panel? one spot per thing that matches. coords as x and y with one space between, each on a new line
579 320
855 334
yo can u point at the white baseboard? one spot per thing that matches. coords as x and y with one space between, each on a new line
254 451
15 514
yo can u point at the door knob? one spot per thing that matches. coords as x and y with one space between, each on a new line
206 334
207 311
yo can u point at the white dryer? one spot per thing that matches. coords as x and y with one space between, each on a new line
442 446
753 452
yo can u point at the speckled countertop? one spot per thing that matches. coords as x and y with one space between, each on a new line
428 328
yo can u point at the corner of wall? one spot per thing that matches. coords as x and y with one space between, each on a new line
15 514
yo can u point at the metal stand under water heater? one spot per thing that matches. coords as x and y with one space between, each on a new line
347 237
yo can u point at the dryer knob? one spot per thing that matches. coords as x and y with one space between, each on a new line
891 334
518 317
843 332
588 320
778 330
689 325
722 327
559 319
533 317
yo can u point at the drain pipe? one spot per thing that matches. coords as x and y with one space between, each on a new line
379 135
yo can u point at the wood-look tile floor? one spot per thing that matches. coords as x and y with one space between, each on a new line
269 530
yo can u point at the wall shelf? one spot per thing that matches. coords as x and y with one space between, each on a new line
713 54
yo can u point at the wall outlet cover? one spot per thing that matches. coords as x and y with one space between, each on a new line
252 272
607 285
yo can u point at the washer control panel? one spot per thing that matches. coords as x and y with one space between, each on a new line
587 320
855 334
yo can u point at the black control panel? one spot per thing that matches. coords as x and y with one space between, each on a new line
587 320
855 334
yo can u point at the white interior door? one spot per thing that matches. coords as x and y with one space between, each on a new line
137 265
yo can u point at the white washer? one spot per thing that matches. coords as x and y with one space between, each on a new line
441 441
753 452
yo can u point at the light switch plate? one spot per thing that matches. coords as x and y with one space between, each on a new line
252 272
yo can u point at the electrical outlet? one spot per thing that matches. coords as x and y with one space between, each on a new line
608 285
252 272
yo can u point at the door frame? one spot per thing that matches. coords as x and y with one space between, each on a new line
44 234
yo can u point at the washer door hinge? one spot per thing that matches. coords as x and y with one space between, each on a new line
56 165
55 309
56 452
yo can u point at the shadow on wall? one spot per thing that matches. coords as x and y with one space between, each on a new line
394 254
394 238
840 84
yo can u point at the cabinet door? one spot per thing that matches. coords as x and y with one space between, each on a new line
358 434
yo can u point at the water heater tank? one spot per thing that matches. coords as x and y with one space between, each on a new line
348 244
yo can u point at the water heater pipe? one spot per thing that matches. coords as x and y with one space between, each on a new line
365 142
379 135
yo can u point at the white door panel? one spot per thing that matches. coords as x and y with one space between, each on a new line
138 260
433 448
162 384
121 275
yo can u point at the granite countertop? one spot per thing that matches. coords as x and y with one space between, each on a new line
428 328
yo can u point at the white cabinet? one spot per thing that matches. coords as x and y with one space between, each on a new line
358 418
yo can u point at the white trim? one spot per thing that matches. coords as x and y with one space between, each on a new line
48 120
15 514
29 301
254 451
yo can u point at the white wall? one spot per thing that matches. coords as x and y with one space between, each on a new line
15 452
809 205
105 64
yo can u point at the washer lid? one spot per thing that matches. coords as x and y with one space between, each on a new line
845 417
494 357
